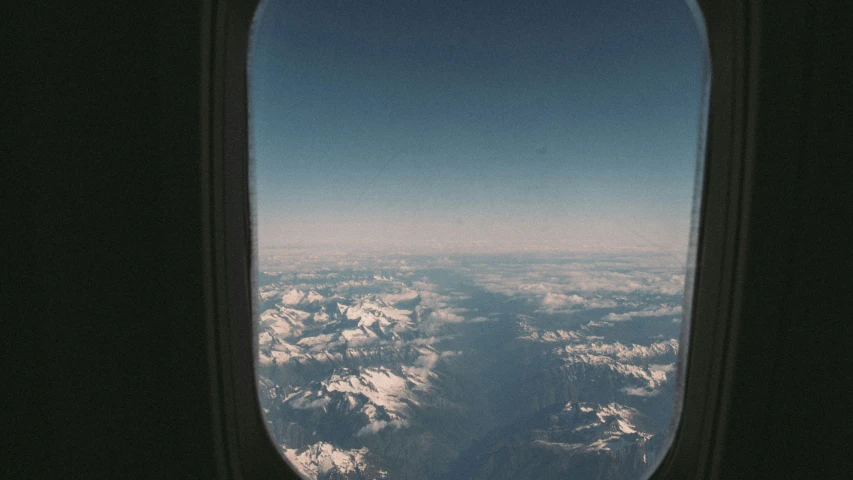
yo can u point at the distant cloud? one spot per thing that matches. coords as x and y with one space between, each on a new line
641 392
421 285
403 296
433 300
427 340
559 300
593 323
360 341
378 425
422 367
662 368
427 360
306 403
573 276
445 316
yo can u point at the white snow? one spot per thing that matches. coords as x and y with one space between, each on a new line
560 335
323 458
624 352
284 322
662 311
292 297
369 312
313 297
319 339
379 385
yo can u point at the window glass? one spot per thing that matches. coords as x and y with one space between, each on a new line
473 229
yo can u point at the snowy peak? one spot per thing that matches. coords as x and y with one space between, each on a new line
381 386
620 417
283 322
587 427
375 311
361 401
624 353
297 297
322 459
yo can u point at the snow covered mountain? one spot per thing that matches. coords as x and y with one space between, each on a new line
324 461
578 440
422 372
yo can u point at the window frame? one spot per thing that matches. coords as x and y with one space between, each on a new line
706 362
243 442
245 447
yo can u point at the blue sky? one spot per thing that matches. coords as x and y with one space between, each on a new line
475 124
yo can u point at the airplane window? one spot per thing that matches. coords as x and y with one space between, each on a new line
473 227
